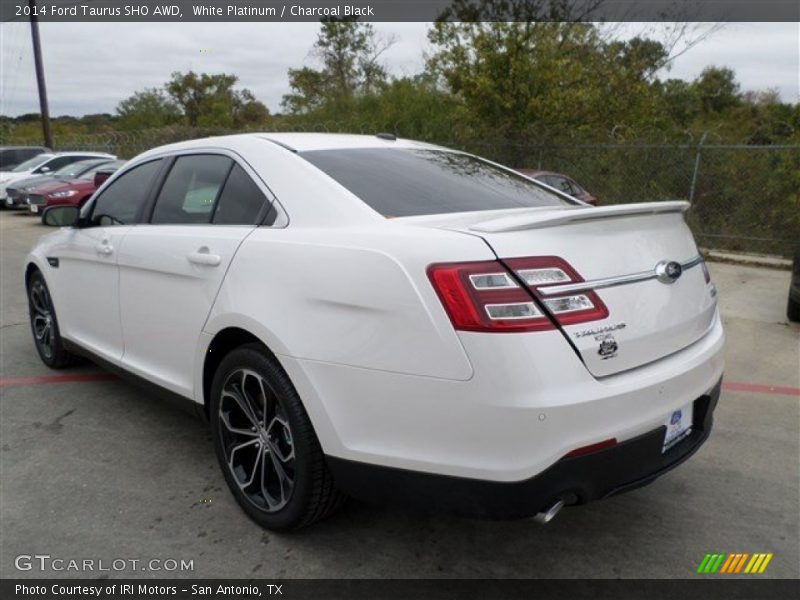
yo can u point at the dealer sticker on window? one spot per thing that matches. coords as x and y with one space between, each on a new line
679 426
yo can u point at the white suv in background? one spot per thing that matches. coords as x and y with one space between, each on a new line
391 320
43 164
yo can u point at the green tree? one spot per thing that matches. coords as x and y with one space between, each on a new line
149 108
717 89
349 52
524 82
211 100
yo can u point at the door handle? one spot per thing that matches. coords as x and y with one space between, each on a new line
104 248
204 257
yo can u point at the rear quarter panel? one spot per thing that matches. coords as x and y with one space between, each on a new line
358 297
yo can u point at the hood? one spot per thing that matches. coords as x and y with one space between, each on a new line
30 181
52 187
9 176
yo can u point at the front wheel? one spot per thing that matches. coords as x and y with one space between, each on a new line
266 445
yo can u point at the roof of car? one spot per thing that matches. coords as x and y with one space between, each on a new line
296 142
25 148
112 165
81 153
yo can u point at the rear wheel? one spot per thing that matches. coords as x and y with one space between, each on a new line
44 325
793 310
265 444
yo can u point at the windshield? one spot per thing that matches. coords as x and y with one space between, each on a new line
32 163
73 170
411 182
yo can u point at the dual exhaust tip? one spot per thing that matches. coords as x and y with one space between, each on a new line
549 513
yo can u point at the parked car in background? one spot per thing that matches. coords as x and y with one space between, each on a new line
16 192
11 156
73 191
43 164
389 319
562 183
793 308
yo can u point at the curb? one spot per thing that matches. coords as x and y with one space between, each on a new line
750 260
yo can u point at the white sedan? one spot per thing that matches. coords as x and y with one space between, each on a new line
391 320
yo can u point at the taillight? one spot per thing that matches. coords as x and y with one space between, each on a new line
568 308
485 296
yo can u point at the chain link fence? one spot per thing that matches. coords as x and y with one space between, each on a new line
745 198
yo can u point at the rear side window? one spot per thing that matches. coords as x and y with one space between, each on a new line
409 182
190 190
241 200
121 201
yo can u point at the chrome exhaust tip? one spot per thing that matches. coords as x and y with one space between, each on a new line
550 513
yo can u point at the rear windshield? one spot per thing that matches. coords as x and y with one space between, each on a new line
410 182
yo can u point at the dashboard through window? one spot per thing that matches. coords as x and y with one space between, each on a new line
411 182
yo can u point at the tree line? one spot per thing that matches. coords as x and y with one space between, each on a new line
503 83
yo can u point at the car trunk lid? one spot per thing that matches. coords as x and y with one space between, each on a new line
620 253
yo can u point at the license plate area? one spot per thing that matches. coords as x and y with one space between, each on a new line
679 426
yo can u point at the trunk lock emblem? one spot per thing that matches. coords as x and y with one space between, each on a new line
668 271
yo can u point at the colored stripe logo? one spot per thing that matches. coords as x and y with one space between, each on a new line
734 563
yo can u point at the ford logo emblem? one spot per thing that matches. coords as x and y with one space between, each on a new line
668 271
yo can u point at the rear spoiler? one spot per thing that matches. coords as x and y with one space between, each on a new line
538 220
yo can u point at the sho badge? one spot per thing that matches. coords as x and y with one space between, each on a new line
608 346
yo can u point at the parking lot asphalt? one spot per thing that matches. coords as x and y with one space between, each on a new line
98 469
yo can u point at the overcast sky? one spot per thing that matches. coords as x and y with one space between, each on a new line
90 67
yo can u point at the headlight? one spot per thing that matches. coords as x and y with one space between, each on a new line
64 194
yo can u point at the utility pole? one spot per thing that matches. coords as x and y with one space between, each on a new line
37 59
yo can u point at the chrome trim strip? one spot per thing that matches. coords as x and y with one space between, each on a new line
598 284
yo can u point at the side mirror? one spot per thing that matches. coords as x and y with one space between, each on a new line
100 178
61 216
44 170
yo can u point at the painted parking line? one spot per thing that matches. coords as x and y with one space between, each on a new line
38 380
737 386
731 386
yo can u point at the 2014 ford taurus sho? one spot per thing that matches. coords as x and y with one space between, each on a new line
390 320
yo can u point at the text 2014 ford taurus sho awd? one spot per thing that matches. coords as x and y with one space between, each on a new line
390 320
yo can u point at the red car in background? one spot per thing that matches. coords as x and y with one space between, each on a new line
562 183
71 191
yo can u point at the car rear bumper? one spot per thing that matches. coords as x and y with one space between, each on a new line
626 466
529 403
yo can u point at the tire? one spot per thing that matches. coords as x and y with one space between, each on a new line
273 464
44 325
793 310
